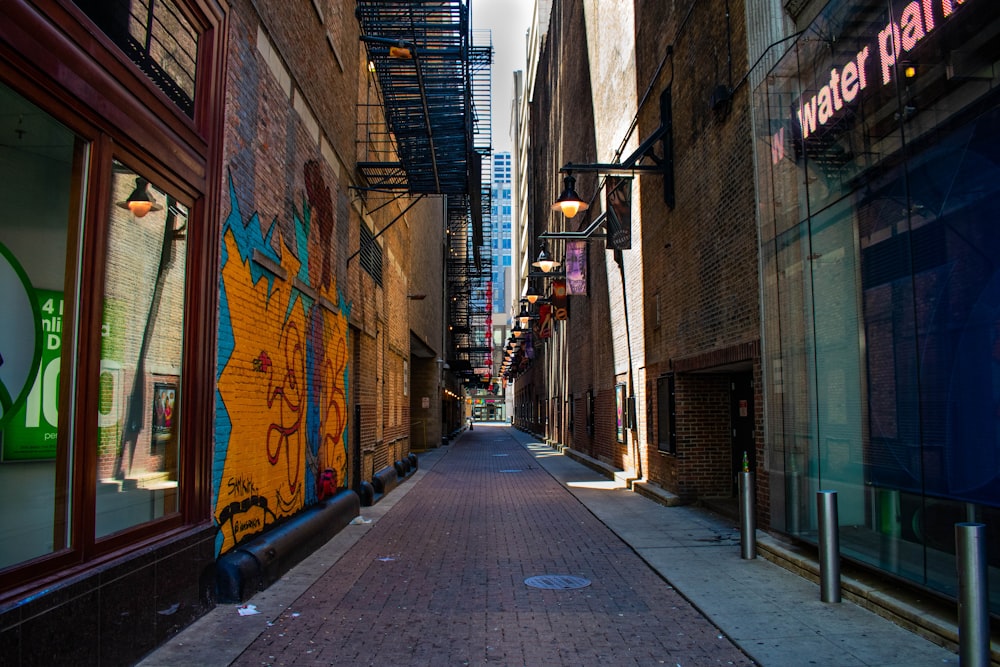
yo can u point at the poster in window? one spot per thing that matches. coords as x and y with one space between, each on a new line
30 358
164 415
620 412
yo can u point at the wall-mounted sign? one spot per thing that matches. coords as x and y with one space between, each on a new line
841 84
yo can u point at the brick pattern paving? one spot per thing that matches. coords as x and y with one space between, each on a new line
439 580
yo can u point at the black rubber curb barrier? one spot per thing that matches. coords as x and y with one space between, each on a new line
387 479
254 566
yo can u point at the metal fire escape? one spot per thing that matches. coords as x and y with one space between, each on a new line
469 274
428 132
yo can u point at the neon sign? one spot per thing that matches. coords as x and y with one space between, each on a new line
846 81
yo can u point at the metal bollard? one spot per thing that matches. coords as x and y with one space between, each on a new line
748 517
973 618
829 546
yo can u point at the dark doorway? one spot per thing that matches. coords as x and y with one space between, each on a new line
742 419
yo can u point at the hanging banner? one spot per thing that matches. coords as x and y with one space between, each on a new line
544 326
618 194
576 267
560 304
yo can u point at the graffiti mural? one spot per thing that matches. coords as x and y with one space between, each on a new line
282 373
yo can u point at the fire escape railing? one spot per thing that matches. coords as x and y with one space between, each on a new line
427 131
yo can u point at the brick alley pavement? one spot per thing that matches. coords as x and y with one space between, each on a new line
440 580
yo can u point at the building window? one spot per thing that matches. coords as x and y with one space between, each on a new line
141 355
157 37
98 297
39 212
590 412
371 254
666 417
137 439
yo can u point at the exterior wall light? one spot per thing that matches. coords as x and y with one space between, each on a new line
524 317
532 295
140 202
569 202
545 261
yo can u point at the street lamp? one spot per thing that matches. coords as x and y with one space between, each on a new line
524 317
140 202
545 261
569 202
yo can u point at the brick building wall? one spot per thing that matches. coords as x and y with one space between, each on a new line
306 334
704 464
426 316
282 390
689 287
701 260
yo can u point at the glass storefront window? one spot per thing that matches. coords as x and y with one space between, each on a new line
39 171
141 350
879 187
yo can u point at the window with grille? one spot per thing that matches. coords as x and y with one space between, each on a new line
371 255
157 37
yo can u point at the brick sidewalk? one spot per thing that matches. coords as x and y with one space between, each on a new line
439 580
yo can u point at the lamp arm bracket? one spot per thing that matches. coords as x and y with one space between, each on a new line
582 234
645 149
611 169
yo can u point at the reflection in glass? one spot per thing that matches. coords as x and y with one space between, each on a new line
141 350
881 291
38 171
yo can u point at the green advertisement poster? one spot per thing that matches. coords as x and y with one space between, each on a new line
31 431
20 351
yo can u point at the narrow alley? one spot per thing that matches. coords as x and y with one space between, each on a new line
441 580
440 572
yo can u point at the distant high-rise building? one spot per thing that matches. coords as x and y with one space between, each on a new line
500 220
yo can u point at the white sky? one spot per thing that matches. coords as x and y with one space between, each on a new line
509 20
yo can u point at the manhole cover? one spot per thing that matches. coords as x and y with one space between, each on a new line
557 582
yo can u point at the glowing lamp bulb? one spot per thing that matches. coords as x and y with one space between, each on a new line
140 208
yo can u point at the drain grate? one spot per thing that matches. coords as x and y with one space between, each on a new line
557 582
512 470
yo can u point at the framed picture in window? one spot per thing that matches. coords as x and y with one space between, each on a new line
620 414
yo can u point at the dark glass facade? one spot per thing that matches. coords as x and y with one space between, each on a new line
878 159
